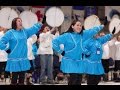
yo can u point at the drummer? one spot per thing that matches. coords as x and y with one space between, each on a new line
72 40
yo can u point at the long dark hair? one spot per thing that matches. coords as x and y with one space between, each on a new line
14 24
70 30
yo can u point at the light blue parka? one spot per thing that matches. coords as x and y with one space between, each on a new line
93 48
72 61
17 39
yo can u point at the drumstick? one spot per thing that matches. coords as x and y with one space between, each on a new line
113 30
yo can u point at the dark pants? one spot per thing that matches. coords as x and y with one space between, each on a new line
105 63
93 79
75 79
20 76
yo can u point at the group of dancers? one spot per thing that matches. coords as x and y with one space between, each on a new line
82 51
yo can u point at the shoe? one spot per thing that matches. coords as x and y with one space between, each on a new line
43 83
50 82
56 82
117 80
29 83
2 77
20 84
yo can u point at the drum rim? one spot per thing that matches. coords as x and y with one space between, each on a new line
86 20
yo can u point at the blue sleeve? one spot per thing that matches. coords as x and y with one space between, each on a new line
34 49
91 32
5 40
33 30
105 38
57 42
86 47
86 51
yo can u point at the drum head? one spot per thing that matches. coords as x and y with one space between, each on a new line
54 17
91 21
28 19
6 16
115 22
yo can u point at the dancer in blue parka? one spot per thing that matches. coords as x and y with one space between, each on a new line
92 57
18 62
71 42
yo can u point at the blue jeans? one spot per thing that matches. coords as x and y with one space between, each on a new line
46 62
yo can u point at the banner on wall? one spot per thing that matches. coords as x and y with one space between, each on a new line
78 13
39 11
67 10
112 11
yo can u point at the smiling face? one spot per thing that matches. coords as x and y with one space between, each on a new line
77 27
19 24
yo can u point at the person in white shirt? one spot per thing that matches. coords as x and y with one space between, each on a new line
46 54
105 58
114 46
117 60
3 56
30 41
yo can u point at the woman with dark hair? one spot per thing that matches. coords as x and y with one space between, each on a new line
72 40
93 65
17 62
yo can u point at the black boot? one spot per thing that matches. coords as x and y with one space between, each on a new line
105 77
115 78
28 81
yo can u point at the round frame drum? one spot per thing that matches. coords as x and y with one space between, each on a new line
6 16
91 21
54 17
28 19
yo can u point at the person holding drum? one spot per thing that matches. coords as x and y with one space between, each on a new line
18 62
93 65
93 55
72 61
46 53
